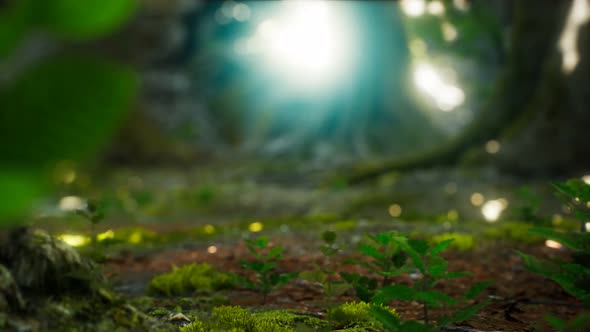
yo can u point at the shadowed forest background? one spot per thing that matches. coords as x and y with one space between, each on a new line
138 137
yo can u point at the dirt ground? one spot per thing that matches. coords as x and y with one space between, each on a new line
520 299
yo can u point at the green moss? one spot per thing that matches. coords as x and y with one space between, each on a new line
354 316
200 278
195 326
235 318
461 241
515 231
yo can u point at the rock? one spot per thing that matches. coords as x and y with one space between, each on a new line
10 296
43 264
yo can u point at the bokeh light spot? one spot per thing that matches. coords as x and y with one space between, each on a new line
255 227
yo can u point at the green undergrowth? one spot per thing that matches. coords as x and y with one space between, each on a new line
355 316
193 278
235 318
349 317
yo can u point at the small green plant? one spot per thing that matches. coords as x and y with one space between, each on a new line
267 278
195 278
387 259
326 274
431 269
575 193
527 206
392 254
573 276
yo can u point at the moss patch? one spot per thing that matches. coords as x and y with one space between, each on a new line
235 318
192 278
354 316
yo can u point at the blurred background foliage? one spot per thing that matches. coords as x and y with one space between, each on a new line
62 105
334 92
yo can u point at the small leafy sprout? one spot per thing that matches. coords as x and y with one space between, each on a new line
267 278
325 275
387 259
573 277
93 212
575 193
432 268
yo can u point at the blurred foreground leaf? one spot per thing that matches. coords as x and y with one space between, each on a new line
75 19
61 109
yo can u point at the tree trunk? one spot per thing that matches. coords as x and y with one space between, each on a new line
532 54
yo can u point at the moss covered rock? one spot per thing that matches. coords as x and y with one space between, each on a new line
43 264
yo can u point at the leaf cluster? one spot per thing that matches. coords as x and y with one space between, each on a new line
264 266
392 254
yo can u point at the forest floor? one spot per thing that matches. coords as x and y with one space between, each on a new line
208 216
520 300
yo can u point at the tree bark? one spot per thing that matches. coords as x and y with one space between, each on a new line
533 47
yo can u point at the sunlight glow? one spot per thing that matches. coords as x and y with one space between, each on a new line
74 240
492 147
556 219
449 32
413 8
492 210
135 238
476 199
71 203
553 244
445 95
255 227
241 12
395 210
309 42
105 235
209 229
579 14
461 4
436 8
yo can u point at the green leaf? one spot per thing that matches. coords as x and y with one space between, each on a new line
15 22
82 20
261 242
18 188
313 276
476 289
457 274
438 266
574 241
267 267
463 313
440 247
555 322
328 251
371 251
388 293
420 246
63 109
275 253
390 321
329 237
435 298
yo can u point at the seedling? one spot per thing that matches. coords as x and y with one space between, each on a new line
575 193
432 269
325 275
387 260
267 278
